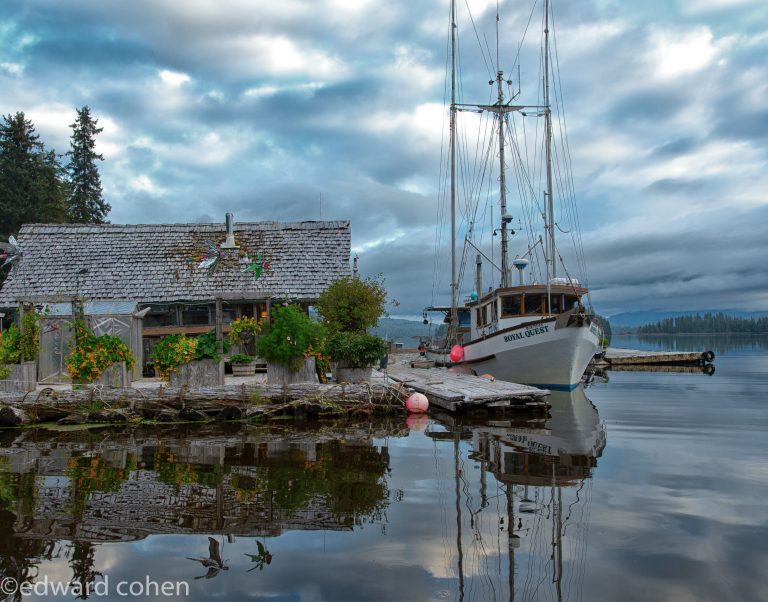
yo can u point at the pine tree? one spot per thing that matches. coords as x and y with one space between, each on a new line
85 204
19 145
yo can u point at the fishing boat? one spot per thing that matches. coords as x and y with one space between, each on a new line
537 330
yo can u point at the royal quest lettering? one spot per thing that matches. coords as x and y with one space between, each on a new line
528 333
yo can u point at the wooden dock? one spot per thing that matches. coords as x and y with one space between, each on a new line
635 357
454 391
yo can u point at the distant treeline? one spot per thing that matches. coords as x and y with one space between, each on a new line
707 323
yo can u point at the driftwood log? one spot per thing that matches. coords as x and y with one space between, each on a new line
101 404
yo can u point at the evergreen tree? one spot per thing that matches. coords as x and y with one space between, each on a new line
19 144
32 187
86 205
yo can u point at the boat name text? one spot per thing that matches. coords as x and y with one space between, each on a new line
528 333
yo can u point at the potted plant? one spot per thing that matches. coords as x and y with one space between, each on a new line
18 355
171 352
104 359
193 362
243 364
288 345
354 355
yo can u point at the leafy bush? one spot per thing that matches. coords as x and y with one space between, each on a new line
29 343
352 304
355 349
10 349
206 346
173 351
241 358
290 337
93 354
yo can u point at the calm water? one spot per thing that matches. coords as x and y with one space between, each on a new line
644 486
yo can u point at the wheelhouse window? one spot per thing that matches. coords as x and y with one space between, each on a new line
556 303
570 302
535 304
511 305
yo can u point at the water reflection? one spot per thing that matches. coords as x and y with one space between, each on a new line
541 469
461 509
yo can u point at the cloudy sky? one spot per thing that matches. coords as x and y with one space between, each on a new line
264 108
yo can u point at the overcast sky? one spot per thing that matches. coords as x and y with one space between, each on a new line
260 107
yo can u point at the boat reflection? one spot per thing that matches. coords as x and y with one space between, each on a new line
544 469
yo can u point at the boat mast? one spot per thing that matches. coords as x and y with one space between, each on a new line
502 182
454 314
548 127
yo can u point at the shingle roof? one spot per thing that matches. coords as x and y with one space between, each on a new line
154 263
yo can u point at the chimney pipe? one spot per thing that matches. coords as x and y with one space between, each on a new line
229 243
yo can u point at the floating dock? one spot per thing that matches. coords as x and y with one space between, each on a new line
455 392
635 357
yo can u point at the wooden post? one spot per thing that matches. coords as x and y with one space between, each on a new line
219 328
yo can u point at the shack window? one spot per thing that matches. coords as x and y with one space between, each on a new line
494 310
479 312
511 306
535 304
195 315
160 315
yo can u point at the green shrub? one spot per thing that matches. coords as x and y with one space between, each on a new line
291 337
352 304
355 349
10 349
29 343
206 346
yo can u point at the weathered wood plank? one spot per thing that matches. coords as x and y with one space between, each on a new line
453 391
618 356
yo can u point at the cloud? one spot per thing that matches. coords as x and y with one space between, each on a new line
263 109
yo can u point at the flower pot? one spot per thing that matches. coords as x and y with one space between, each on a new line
248 369
353 375
199 373
278 374
117 376
22 378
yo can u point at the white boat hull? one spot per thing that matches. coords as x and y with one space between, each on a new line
536 354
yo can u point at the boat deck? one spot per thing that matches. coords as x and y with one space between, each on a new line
454 391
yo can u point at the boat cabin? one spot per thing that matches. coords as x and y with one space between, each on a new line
507 307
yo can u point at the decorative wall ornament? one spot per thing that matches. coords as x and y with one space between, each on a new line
212 256
258 266
10 252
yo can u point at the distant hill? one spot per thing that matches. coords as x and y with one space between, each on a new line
633 319
407 332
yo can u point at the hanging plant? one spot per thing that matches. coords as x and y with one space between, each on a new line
244 330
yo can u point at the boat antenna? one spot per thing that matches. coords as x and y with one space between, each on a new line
454 313
548 133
